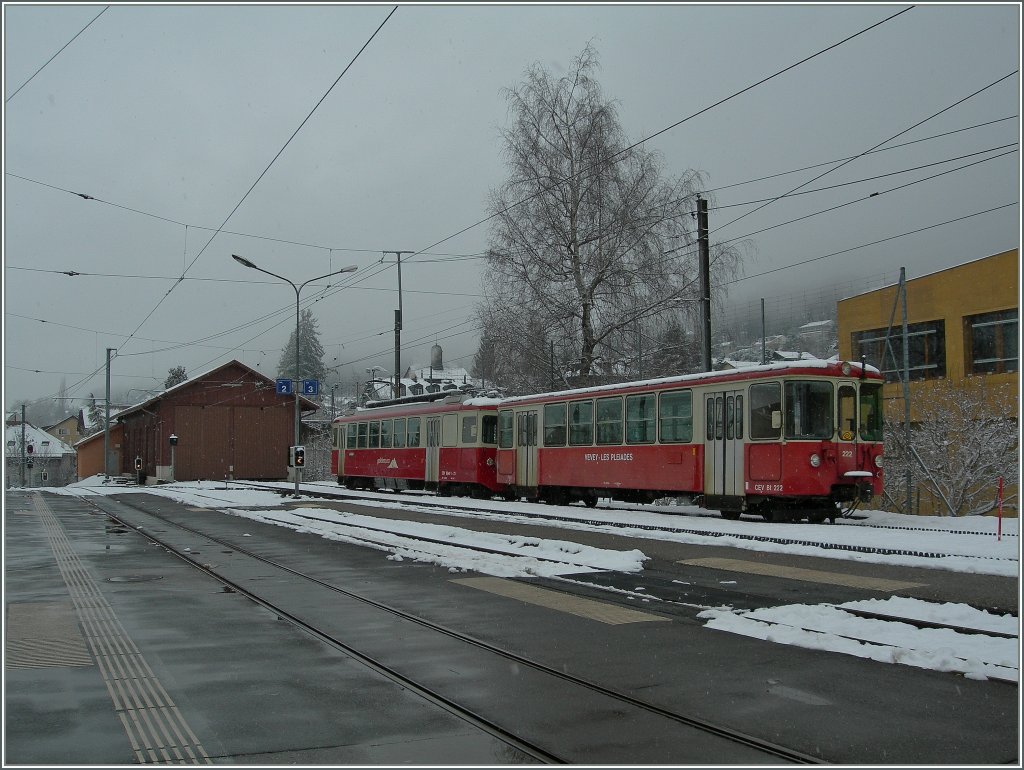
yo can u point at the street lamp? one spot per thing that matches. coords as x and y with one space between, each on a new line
298 289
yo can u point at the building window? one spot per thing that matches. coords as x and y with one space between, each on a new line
990 341
927 350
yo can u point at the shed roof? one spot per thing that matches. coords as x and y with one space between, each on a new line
304 403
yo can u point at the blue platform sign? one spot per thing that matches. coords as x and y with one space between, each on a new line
311 387
284 387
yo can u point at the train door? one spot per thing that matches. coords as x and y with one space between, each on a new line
723 448
433 459
526 449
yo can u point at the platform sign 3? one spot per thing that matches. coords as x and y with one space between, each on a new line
311 387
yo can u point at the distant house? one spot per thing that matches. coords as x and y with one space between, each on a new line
818 337
230 422
70 430
52 461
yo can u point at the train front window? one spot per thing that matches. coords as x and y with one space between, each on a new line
489 430
809 410
469 429
765 410
871 411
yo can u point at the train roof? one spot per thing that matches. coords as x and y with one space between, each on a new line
807 367
453 400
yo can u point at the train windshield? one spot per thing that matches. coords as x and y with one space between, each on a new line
809 410
871 411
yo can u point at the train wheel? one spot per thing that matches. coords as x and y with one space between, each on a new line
590 501
730 515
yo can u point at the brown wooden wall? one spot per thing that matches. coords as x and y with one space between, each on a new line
229 422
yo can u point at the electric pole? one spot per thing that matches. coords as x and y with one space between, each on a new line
705 277
398 323
106 422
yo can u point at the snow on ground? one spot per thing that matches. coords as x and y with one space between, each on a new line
824 627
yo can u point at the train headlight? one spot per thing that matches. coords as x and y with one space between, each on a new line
846 368
490 461
815 461
878 461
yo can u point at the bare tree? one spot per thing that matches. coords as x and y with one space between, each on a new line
965 438
589 237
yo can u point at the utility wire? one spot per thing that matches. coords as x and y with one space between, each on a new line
260 177
678 123
884 176
875 147
853 157
83 29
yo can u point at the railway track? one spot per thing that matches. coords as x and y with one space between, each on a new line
677 727
426 501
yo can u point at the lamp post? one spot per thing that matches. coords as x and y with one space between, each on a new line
298 289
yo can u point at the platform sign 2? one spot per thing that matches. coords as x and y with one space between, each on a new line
284 387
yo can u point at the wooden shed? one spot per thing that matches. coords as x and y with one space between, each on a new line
230 423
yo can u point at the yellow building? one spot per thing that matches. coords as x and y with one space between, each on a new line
962 338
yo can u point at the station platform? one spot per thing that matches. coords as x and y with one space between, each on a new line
120 653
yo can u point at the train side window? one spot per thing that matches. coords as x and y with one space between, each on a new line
710 414
730 418
489 430
398 437
350 436
374 435
506 423
765 401
335 437
385 434
362 435
739 418
847 412
469 428
640 424
414 432
675 417
554 425
719 418
609 420
581 423
449 430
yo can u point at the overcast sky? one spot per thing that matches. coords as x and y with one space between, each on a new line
166 115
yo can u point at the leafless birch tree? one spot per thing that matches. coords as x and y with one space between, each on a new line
589 237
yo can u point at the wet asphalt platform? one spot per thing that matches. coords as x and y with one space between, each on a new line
117 652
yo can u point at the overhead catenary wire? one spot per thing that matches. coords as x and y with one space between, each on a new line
263 173
47 62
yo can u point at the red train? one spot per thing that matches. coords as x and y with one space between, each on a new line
786 441
445 442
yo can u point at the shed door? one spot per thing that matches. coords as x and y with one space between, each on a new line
723 448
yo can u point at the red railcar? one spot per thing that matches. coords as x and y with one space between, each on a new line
446 443
786 440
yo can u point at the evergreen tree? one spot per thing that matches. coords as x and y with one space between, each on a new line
175 376
96 415
311 352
